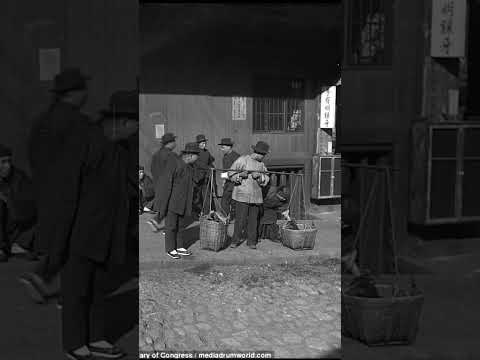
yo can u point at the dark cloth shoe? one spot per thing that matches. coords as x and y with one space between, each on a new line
108 353
253 246
235 244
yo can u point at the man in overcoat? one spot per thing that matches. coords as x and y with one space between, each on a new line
202 171
162 166
229 157
83 216
179 207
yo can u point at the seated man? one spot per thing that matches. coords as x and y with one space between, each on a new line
276 201
146 191
17 210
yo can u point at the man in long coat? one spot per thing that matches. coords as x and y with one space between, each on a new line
229 157
179 207
83 214
162 166
202 171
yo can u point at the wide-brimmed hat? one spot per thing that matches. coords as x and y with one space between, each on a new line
201 138
168 138
226 141
123 103
68 80
191 148
5 151
261 148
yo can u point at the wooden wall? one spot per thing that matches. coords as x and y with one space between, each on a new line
190 72
99 36
379 104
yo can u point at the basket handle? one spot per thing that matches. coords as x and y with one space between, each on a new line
209 185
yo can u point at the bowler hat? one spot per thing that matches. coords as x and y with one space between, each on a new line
69 79
201 138
191 148
261 148
5 151
123 102
168 138
226 141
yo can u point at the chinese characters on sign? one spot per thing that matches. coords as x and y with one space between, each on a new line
327 108
448 28
239 108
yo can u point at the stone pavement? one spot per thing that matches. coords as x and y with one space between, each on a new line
272 298
33 332
293 310
327 220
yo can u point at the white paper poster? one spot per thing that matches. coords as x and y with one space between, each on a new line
239 108
453 95
49 62
327 108
159 130
448 28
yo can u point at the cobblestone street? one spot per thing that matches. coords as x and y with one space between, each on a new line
293 310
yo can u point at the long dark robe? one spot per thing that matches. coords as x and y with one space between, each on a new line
163 167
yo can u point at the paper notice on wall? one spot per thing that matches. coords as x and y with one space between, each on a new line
329 147
239 108
328 108
49 62
159 130
453 95
448 29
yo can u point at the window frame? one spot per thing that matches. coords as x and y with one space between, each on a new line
255 98
348 61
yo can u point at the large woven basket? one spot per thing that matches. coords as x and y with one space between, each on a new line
303 239
212 234
381 321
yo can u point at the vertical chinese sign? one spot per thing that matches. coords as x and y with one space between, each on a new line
448 28
327 108
239 108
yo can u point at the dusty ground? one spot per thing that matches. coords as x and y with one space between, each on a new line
293 310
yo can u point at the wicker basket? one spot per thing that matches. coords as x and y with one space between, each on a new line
212 234
303 239
381 321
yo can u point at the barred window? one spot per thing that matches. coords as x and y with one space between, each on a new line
278 105
369 32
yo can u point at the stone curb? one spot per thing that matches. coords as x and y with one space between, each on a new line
275 260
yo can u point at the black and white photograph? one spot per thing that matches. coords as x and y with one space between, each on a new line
290 180
240 223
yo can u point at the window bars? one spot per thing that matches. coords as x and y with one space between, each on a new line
282 112
369 32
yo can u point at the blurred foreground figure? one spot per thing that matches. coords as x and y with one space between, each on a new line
17 208
82 196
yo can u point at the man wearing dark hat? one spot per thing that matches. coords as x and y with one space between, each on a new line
249 178
179 206
17 207
202 170
162 167
229 157
82 195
